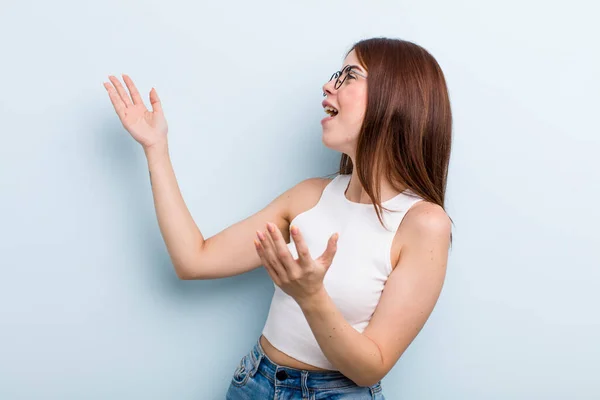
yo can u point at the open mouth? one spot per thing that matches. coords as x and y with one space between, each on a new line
332 112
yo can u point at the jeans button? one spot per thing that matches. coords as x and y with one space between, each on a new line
281 375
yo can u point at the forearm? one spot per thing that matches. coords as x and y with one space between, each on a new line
179 231
354 354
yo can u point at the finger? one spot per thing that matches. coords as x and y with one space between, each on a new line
115 99
155 101
329 253
135 95
304 257
270 256
280 249
121 90
272 273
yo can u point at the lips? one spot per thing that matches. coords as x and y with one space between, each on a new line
326 119
326 103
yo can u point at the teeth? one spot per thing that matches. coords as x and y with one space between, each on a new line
331 111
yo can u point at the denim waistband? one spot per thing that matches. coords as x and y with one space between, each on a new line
295 378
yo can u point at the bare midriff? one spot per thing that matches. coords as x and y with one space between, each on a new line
283 359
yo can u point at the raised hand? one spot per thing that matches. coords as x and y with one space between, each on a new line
147 128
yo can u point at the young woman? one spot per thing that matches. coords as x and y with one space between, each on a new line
358 261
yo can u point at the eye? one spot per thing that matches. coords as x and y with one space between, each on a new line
348 77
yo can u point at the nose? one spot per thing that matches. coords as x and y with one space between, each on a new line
328 87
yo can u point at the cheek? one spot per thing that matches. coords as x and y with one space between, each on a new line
354 106
354 115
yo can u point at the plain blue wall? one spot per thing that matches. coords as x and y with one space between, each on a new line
90 307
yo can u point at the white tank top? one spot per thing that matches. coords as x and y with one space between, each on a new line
356 276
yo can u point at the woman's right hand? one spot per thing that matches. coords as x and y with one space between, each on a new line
148 128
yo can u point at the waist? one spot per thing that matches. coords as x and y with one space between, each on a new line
294 377
282 359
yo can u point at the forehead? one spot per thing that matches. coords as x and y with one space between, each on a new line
352 59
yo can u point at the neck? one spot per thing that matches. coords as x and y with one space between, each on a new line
356 193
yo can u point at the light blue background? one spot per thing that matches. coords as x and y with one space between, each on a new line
90 307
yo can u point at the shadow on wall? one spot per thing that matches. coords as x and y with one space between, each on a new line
123 159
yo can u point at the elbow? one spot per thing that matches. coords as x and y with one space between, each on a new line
182 274
372 373
190 267
370 378
368 381
187 271
188 274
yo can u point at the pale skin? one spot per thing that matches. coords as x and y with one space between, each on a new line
419 250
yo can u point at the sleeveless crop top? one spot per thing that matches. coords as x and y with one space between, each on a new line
357 275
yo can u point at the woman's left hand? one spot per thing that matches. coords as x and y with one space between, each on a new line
300 278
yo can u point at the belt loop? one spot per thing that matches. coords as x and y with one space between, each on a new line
255 361
303 380
255 366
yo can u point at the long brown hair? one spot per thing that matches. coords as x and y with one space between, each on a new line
406 133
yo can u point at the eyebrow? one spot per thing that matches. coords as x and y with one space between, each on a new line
353 66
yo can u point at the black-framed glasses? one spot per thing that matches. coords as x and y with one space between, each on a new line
344 74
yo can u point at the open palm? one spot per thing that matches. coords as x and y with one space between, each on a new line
148 128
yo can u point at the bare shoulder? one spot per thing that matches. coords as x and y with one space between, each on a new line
426 216
305 195
425 221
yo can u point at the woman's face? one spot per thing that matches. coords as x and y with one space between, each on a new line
350 100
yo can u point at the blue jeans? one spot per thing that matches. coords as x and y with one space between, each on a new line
258 378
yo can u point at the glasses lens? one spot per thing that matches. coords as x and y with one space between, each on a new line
334 76
342 75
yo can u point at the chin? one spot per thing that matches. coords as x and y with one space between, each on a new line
336 140
331 141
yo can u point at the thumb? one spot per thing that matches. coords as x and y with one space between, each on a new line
155 101
329 253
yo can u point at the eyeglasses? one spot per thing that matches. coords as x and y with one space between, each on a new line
345 72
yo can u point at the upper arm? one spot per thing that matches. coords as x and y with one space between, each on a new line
414 285
232 252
